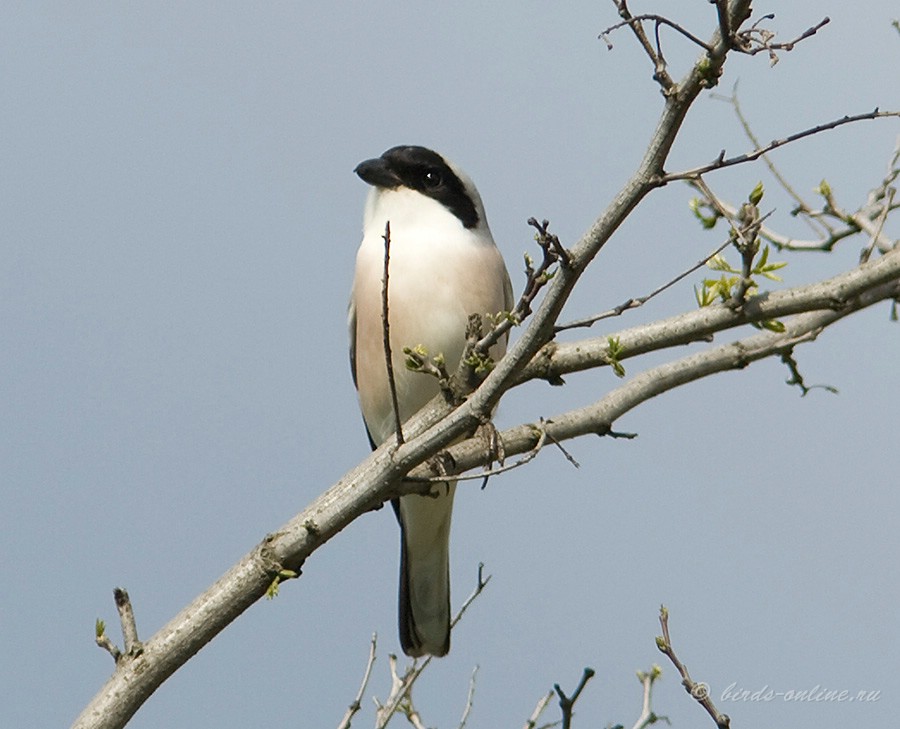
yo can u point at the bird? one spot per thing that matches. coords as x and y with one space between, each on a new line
443 267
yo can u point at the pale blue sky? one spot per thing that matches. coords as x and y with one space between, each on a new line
180 220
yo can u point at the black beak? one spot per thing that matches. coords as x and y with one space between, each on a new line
377 172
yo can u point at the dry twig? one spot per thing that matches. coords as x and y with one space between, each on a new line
699 691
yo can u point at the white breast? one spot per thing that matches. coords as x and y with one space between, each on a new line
440 273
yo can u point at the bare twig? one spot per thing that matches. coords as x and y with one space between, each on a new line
658 20
497 470
655 54
402 685
879 226
754 140
386 333
542 704
648 716
797 379
412 714
569 457
858 221
400 688
479 588
763 39
721 161
133 645
103 640
640 301
469 698
554 254
779 241
567 703
357 702
698 690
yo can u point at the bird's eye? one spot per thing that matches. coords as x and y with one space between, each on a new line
432 179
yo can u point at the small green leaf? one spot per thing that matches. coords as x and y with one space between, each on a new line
707 221
479 364
614 353
824 189
773 325
272 590
764 268
415 357
718 263
700 296
99 628
756 194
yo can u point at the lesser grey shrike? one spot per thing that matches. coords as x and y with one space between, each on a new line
444 267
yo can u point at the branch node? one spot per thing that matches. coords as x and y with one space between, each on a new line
567 703
133 646
797 379
698 690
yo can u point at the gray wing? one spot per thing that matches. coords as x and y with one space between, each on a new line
351 325
507 291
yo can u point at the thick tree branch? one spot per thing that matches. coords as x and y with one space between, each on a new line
838 293
599 417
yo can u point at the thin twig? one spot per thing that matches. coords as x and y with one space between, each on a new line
357 702
488 472
103 640
699 691
567 703
797 379
762 37
879 226
386 333
569 457
542 704
802 205
640 301
721 161
647 716
133 645
479 588
659 20
832 236
401 686
660 74
553 254
469 698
